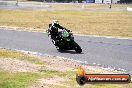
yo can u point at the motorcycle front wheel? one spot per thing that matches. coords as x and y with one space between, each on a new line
77 47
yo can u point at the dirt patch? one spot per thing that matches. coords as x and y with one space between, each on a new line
59 64
65 64
50 82
15 65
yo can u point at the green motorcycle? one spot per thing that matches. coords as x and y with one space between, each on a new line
65 41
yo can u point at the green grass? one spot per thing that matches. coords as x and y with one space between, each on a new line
16 80
4 53
51 73
24 79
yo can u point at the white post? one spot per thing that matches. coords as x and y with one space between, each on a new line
82 6
129 9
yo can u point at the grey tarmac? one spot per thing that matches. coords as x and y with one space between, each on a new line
106 52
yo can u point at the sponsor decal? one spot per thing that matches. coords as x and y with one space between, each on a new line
82 77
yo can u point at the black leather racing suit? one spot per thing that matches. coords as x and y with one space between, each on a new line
54 32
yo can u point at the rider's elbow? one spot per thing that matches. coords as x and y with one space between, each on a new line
50 25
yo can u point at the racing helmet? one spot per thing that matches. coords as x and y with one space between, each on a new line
55 23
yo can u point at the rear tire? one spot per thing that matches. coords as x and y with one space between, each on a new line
61 49
77 47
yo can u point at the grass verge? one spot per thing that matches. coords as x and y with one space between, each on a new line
25 79
106 23
4 53
16 80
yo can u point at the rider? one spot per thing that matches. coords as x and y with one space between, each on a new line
53 27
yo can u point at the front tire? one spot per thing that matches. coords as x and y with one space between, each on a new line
77 47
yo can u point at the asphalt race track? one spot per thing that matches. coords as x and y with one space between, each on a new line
108 52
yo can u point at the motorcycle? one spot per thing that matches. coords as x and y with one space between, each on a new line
65 41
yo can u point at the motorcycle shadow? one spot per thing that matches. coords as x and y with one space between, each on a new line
68 51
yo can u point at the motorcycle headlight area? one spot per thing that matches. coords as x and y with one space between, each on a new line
65 34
